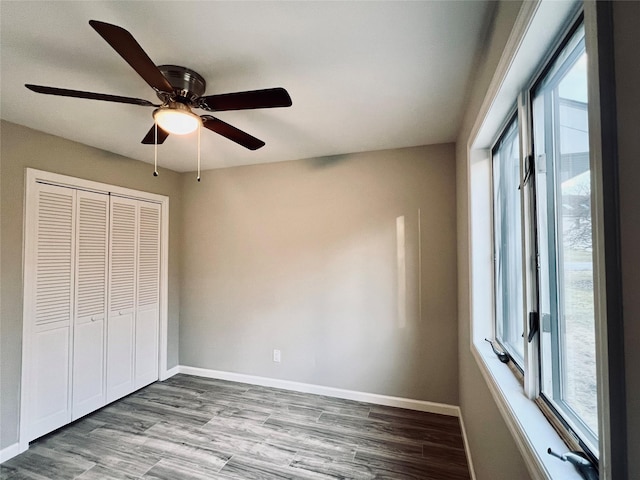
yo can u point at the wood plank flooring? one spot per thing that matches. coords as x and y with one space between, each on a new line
192 428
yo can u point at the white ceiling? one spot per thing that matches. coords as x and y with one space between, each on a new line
362 75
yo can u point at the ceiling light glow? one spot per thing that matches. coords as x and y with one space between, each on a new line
179 121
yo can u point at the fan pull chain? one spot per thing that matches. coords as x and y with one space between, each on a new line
155 151
199 130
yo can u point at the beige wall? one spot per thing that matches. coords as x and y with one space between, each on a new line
494 452
20 148
626 41
302 256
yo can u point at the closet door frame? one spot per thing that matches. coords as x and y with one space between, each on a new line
34 177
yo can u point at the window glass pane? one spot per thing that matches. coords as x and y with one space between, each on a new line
561 147
508 245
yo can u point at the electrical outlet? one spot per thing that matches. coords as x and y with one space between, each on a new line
276 355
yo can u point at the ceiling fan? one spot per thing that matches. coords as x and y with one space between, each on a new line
180 89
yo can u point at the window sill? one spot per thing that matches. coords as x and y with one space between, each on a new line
530 428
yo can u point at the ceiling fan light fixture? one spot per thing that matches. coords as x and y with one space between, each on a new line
177 119
180 89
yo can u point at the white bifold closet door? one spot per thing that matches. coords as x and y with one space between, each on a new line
92 247
148 298
92 315
134 285
51 282
122 298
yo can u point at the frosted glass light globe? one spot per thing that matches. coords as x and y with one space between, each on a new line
179 121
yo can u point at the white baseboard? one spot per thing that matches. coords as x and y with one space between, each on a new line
9 452
467 450
169 373
420 405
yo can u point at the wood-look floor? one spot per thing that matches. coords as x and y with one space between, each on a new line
192 428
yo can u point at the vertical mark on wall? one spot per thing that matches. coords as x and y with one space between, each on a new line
419 265
402 268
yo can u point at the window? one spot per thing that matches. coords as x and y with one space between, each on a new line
508 242
561 150
560 211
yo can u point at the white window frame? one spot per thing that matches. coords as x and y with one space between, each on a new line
536 30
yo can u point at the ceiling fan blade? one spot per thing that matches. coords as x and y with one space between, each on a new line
150 137
267 98
129 49
63 92
231 132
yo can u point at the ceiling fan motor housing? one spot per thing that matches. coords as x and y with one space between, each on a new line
187 84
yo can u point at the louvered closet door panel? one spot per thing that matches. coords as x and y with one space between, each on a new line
122 298
51 310
147 315
92 221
